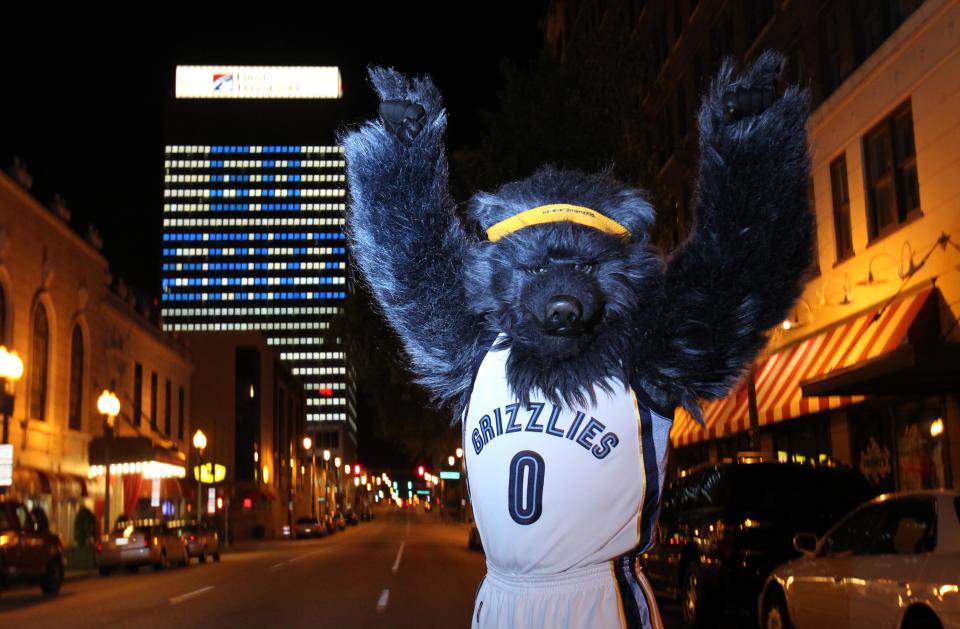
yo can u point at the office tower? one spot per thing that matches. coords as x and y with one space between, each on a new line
253 231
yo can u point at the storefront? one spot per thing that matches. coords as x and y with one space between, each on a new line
59 496
872 392
145 479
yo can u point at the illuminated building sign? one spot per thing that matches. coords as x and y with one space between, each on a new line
450 475
210 473
293 82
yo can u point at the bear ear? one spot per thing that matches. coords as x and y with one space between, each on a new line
487 209
630 208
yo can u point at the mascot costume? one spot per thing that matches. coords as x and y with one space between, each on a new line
564 342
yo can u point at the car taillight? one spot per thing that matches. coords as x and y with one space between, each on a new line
99 547
193 538
146 542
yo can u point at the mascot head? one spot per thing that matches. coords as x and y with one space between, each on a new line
566 262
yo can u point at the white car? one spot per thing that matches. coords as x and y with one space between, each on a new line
892 562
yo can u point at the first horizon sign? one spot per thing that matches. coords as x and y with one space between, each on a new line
253 82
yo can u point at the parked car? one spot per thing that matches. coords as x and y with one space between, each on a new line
327 521
893 562
29 552
201 542
308 527
351 517
135 543
724 527
339 520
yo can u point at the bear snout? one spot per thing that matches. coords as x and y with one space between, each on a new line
563 315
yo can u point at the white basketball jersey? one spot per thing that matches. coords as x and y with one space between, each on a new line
555 488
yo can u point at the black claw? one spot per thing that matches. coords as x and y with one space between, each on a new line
745 102
402 118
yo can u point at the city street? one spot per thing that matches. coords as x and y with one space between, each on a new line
402 569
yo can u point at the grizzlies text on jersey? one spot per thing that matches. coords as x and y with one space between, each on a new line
563 496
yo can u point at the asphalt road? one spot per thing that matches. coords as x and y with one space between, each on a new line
403 569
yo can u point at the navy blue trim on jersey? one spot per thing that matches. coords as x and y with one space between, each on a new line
628 599
651 472
477 362
665 411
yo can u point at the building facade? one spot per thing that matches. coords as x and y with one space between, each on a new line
79 332
253 412
253 234
865 370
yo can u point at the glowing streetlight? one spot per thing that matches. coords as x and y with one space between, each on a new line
459 453
356 481
307 442
336 462
200 443
266 474
11 369
450 461
936 428
109 406
326 455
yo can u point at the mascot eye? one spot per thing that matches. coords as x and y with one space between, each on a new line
589 267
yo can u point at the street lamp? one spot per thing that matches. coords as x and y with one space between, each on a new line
450 461
308 446
200 443
11 369
109 406
459 453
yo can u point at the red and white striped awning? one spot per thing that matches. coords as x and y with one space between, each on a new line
778 376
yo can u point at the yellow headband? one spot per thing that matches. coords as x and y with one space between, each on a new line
553 213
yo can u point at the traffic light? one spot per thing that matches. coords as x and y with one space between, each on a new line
420 471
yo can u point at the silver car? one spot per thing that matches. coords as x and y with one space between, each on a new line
199 540
893 562
140 543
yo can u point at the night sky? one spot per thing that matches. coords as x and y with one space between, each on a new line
89 106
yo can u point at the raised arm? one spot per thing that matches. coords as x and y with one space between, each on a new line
404 235
740 271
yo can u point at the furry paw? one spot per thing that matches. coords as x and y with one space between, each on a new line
402 118
744 102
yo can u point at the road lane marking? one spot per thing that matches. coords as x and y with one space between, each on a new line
277 566
176 600
382 602
396 564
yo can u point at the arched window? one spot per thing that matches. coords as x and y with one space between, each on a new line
76 380
39 367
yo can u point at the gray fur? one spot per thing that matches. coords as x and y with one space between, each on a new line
680 329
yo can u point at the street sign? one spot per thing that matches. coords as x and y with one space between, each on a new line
155 493
450 475
6 465
423 492
212 500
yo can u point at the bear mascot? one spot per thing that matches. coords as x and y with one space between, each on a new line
563 341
